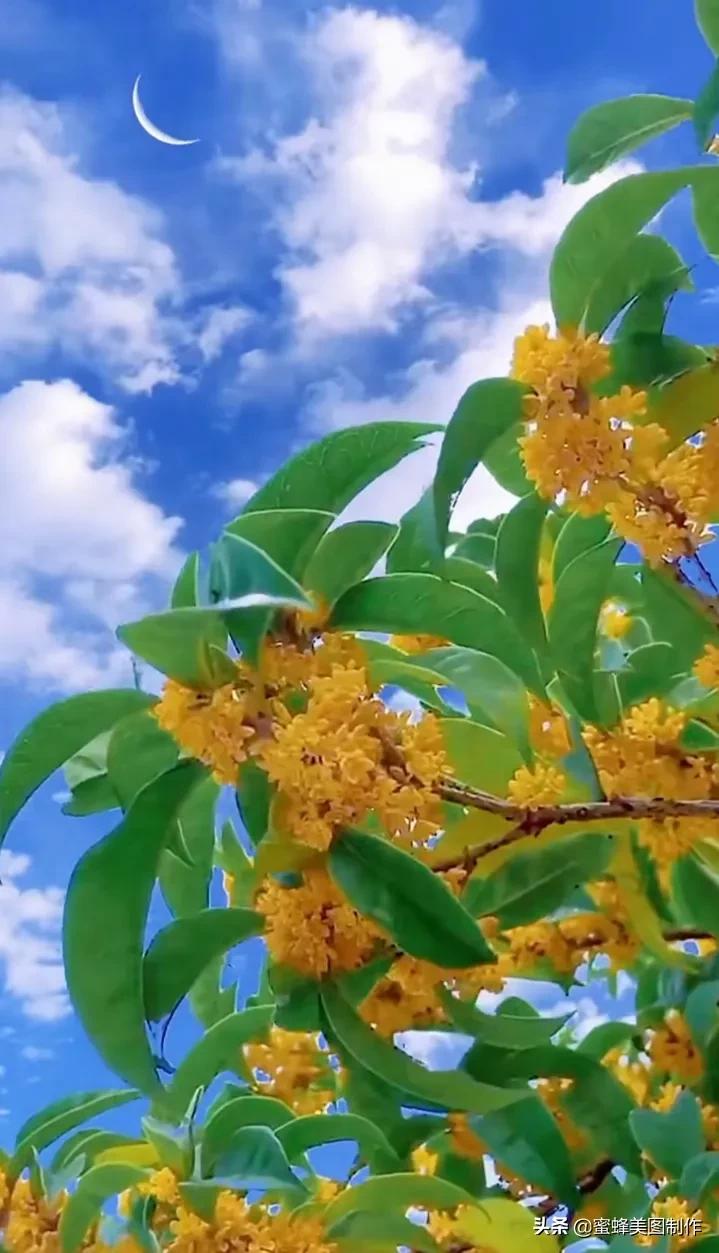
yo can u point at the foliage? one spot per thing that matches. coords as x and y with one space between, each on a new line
549 810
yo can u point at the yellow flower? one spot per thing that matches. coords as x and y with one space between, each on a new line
417 643
636 1076
347 755
614 621
548 729
424 1161
32 1222
551 1092
241 1228
536 785
213 727
673 1051
690 1222
706 667
313 929
162 1185
293 1068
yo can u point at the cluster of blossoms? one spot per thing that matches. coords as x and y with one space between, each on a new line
294 1068
311 718
596 453
643 756
236 1227
30 1221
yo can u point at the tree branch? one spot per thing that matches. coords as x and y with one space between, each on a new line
531 822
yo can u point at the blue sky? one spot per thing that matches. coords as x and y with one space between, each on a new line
362 229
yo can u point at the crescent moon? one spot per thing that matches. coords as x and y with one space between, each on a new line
148 126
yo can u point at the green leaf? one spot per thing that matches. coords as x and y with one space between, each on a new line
486 411
695 888
608 131
105 917
673 616
698 737
468 574
177 643
85 1204
87 1144
288 536
670 1139
706 110
254 1158
173 1145
648 264
138 751
186 592
417 547
600 232
242 576
381 1233
573 622
92 796
517 560
597 1101
445 1089
395 1192
707 17
608 1035
702 1011
699 1176
526 1138
504 1031
577 536
186 887
345 556
493 692
254 797
480 756
533 884
61 1116
504 462
181 951
407 900
332 471
216 1051
301 1134
651 671
422 603
243 1111
55 736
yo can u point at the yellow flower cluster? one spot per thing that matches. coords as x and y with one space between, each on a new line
31 1222
548 729
347 755
672 1050
417 643
241 1228
292 1067
642 756
313 929
551 1092
589 451
706 667
569 942
409 994
533 786
614 621
690 1223
309 716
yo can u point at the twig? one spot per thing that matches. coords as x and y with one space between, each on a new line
531 822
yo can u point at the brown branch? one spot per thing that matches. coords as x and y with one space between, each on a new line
531 822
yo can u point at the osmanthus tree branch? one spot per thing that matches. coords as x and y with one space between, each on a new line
531 822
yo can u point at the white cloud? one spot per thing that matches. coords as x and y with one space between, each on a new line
32 1053
83 264
371 189
75 520
30 950
220 325
236 492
